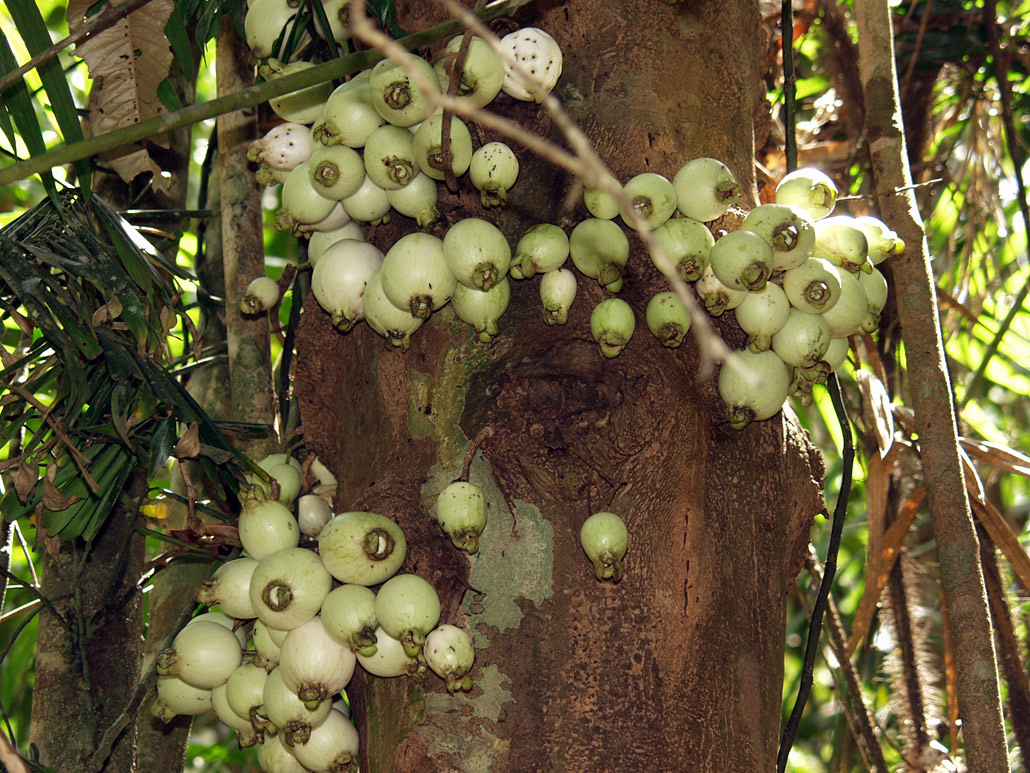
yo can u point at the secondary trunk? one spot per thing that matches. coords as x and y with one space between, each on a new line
679 666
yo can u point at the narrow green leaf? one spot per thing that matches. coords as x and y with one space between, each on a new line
33 31
109 504
175 31
162 441
121 364
323 24
19 104
167 95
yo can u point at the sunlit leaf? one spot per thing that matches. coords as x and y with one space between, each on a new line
34 33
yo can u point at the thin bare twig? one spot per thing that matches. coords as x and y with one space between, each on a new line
477 441
584 162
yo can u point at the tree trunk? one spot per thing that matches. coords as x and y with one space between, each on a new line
679 666
87 666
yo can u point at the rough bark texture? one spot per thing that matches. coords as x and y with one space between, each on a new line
679 666
959 550
85 675
243 249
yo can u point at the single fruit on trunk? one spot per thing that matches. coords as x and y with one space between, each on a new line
340 277
612 324
762 315
394 324
427 147
604 538
349 617
262 294
809 189
789 230
742 260
461 512
482 309
651 197
493 170
686 244
449 652
557 294
668 319
313 664
477 253
395 97
544 247
415 275
288 587
482 73
408 608
600 249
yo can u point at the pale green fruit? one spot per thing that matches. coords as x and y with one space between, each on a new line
600 249
612 324
395 97
362 548
427 146
810 189
705 189
668 319
605 539
544 247
482 73
652 197
461 512
493 171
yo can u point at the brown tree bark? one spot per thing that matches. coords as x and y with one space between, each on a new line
87 662
679 666
979 696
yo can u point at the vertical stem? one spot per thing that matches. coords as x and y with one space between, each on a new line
243 246
978 693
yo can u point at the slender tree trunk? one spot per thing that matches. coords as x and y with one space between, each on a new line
87 662
243 248
679 666
978 692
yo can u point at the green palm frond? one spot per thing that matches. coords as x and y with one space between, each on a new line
90 399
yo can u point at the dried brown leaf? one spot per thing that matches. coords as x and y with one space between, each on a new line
127 62
876 405
107 313
25 480
1001 534
877 488
188 446
54 500
891 549
998 455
